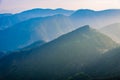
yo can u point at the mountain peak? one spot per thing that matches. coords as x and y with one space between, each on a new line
83 12
84 28
59 9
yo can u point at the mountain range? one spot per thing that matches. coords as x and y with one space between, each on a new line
35 29
59 44
79 17
57 59
46 25
96 19
10 20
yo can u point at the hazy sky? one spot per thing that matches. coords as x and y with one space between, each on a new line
20 5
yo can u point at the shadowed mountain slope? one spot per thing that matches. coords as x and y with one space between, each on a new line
57 59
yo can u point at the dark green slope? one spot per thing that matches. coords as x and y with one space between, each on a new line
108 66
57 60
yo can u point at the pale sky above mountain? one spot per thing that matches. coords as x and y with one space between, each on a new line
21 5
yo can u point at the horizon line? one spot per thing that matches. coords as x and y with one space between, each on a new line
20 11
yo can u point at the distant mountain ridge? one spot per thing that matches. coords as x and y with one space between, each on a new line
80 17
11 20
48 12
5 14
97 19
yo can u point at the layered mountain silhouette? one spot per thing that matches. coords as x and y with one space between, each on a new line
28 27
58 59
47 44
113 31
79 17
11 20
27 32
